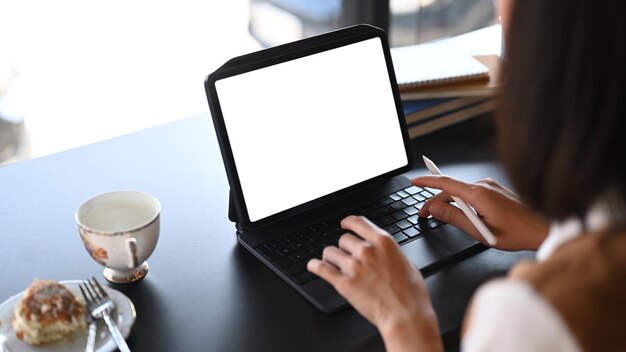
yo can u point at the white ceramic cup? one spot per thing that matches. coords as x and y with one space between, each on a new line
120 231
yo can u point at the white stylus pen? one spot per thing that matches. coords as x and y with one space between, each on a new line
469 212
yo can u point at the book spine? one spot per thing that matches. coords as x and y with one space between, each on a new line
443 81
445 107
450 119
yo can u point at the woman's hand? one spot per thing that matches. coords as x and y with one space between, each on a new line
371 272
515 225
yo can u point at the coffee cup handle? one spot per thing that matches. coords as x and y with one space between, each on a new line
133 259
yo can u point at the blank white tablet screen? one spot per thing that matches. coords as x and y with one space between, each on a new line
305 128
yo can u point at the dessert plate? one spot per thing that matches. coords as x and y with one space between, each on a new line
124 315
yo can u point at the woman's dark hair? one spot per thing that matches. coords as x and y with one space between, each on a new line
561 118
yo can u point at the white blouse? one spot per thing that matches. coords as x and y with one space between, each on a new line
509 315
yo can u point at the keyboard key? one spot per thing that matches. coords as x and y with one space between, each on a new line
374 214
429 192
395 196
299 245
287 250
302 278
298 257
411 232
318 248
398 205
387 200
374 206
399 215
387 210
434 223
413 189
341 217
391 229
409 201
402 194
315 228
272 255
307 252
410 211
332 242
387 220
310 252
296 268
314 238
371 206
399 237
275 244
403 224
283 262
262 249
328 243
419 198
337 231
360 211
413 219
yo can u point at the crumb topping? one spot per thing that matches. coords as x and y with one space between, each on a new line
47 301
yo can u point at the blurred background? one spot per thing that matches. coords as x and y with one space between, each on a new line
74 72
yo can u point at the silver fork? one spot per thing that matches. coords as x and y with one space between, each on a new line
91 321
100 305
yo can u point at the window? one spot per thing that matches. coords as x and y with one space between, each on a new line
96 70
408 22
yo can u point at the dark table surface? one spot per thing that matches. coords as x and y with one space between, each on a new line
204 292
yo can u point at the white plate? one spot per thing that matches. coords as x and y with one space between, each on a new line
124 315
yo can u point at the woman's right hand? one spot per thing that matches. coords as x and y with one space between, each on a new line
515 226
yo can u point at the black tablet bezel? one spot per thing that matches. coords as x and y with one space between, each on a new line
283 53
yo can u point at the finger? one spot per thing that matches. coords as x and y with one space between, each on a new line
439 197
336 256
498 188
362 227
324 270
349 242
452 215
449 185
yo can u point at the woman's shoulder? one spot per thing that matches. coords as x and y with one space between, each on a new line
591 260
510 315
585 282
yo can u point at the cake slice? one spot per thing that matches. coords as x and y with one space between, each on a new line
48 312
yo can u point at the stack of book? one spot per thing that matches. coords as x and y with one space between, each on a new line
440 85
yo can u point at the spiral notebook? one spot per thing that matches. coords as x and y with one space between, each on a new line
436 63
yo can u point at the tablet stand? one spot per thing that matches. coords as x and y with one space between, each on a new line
232 213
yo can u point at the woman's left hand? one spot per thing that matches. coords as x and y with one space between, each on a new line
373 274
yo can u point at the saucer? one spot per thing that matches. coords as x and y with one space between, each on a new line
124 316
